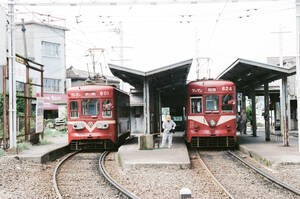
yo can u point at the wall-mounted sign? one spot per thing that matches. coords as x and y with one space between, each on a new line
39 123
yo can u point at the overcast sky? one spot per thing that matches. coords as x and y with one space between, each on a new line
159 35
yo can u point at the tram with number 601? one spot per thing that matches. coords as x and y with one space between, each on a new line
98 117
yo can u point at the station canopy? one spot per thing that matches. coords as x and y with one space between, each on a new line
249 75
171 76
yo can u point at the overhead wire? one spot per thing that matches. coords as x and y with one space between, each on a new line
219 18
77 42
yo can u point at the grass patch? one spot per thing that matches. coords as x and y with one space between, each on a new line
23 146
2 152
54 132
45 142
21 139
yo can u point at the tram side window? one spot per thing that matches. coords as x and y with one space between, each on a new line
74 109
227 103
90 107
212 103
106 108
196 105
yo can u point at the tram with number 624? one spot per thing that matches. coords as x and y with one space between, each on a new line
211 114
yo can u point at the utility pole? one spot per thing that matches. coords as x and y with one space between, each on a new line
298 65
12 80
92 54
204 63
26 87
24 39
284 102
3 64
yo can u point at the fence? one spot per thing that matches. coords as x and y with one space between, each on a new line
29 84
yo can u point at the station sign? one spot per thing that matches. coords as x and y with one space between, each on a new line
39 123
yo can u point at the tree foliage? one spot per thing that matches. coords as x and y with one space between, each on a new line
20 105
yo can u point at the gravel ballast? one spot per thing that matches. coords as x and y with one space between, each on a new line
287 173
79 178
149 183
25 179
241 181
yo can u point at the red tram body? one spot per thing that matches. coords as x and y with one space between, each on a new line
211 114
98 117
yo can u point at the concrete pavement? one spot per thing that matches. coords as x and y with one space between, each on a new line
271 153
43 153
130 157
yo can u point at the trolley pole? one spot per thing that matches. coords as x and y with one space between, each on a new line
12 81
298 65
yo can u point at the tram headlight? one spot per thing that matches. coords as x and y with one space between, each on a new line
78 126
212 123
102 125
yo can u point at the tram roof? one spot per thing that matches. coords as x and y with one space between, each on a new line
247 74
160 78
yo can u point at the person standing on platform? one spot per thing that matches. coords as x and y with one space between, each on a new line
243 122
168 126
238 122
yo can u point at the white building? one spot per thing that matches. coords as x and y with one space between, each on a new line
288 62
46 45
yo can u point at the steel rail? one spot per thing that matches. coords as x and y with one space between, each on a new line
266 175
56 171
214 178
103 171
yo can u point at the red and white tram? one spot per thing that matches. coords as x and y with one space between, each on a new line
98 117
211 114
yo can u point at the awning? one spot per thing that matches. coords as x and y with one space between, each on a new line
51 101
165 77
248 74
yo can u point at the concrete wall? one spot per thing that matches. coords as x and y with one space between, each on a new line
54 67
137 120
62 111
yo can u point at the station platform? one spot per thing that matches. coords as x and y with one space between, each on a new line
271 153
130 157
55 147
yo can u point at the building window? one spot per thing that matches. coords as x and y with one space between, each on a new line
50 49
51 85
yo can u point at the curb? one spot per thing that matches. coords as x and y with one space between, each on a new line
54 154
255 156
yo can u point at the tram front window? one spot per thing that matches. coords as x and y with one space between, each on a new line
212 103
196 104
90 107
227 103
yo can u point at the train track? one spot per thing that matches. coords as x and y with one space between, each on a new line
120 188
266 175
102 171
214 178
235 176
55 184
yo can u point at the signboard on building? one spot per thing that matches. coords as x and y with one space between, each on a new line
51 100
164 112
3 40
39 123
